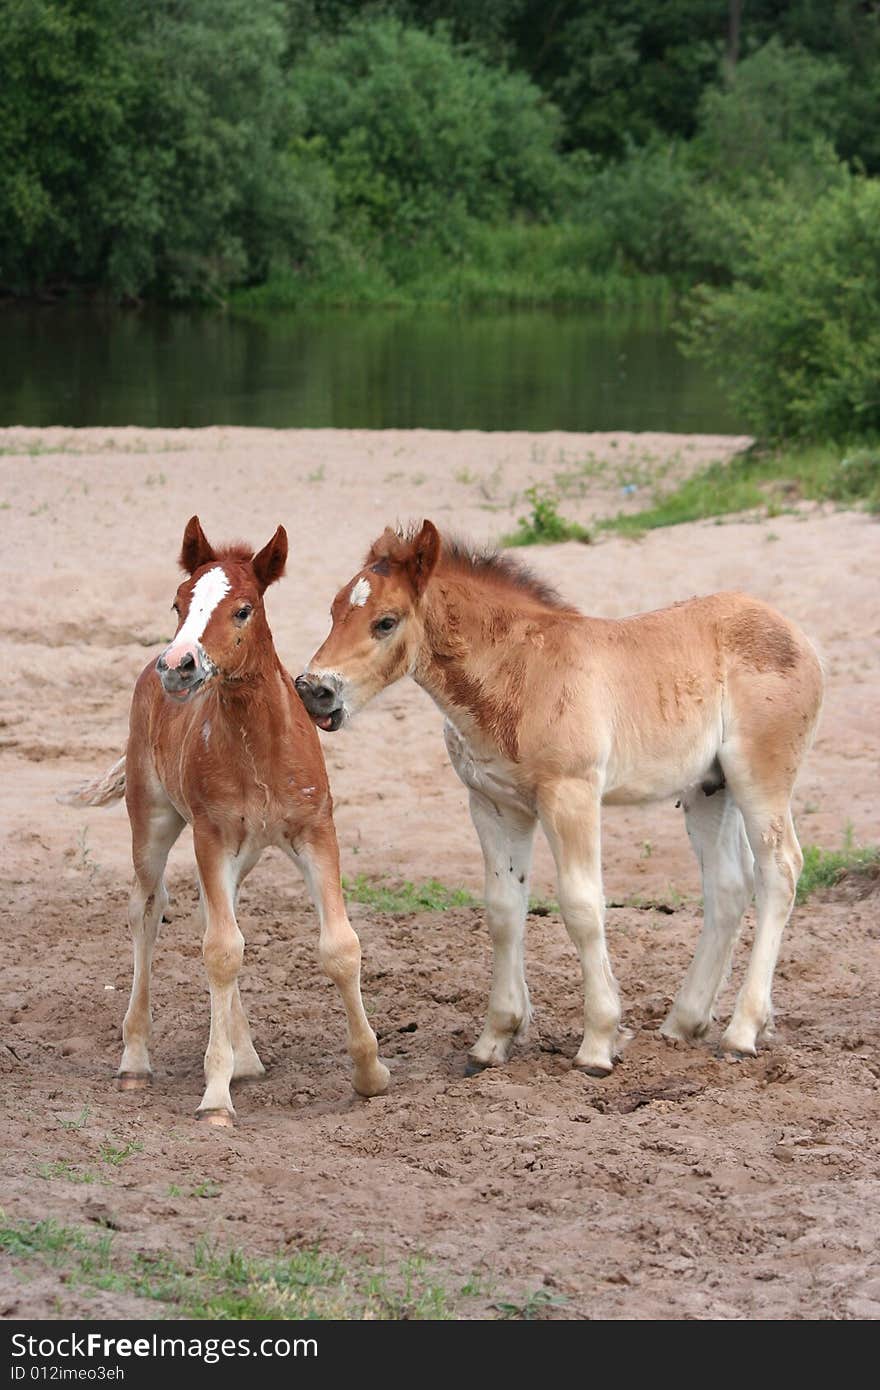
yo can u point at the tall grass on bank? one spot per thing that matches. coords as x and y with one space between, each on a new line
517 264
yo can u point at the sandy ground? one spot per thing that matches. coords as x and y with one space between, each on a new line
682 1186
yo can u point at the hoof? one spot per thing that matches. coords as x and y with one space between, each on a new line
673 1031
134 1081
594 1069
473 1066
377 1084
737 1049
223 1119
735 1054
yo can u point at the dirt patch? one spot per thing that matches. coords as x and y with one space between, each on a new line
682 1186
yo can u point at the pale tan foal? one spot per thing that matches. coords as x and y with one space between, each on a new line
549 713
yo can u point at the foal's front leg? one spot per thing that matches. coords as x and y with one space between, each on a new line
506 838
570 814
155 825
340 952
223 951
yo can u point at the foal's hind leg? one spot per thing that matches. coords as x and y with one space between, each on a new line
778 863
340 952
506 838
155 825
718 836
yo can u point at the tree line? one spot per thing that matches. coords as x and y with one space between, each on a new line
288 151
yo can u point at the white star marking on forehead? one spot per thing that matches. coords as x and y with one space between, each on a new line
208 592
360 593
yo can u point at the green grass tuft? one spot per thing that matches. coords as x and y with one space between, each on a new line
407 897
824 868
230 1284
543 525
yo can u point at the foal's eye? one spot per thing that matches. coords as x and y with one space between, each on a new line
242 614
175 608
384 625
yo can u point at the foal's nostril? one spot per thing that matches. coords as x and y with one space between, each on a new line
187 662
161 665
318 699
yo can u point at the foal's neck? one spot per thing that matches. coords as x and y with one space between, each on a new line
264 681
471 659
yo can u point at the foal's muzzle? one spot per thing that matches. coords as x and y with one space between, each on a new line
323 700
183 674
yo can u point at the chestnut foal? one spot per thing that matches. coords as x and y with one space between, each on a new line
550 713
219 739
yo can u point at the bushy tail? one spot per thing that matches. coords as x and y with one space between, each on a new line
101 791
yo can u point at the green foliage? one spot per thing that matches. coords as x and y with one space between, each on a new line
543 525
766 119
796 338
405 152
857 478
406 897
515 263
140 145
756 479
422 136
646 207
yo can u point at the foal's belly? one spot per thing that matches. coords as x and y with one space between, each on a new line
657 776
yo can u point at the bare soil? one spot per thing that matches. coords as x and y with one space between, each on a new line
683 1185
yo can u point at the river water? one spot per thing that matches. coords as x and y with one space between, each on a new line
432 369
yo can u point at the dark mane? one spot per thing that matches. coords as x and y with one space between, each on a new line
458 554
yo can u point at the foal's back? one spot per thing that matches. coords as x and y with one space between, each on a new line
655 696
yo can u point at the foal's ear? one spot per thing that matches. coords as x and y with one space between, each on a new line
196 549
269 563
423 555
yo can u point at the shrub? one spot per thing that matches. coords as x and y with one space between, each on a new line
646 206
796 339
142 147
764 122
543 525
422 136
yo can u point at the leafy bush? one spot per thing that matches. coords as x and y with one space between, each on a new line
796 339
764 122
645 207
423 136
141 146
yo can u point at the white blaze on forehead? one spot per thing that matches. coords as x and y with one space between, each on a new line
208 592
360 593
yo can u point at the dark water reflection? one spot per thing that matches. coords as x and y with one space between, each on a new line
526 370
